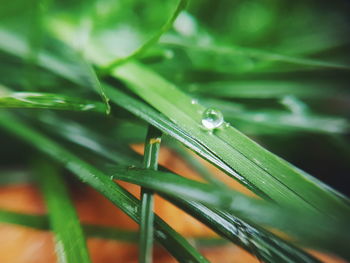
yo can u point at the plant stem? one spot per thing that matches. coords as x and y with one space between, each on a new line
150 161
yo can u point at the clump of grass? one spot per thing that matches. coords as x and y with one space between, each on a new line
157 77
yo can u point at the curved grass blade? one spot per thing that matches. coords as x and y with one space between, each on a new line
39 100
69 238
267 172
150 161
168 237
65 63
150 42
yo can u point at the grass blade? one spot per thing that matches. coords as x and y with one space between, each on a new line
150 42
281 182
150 161
38 100
232 51
169 238
266 246
256 211
69 238
41 222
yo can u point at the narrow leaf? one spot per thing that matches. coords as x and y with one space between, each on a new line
69 238
150 161
38 100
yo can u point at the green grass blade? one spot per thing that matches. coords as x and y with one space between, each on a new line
76 133
232 51
150 42
253 210
69 238
39 100
41 222
276 119
262 89
150 161
33 221
266 246
147 113
67 64
169 238
272 175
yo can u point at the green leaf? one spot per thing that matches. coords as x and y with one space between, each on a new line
41 222
263 89
170 239
256 211
70 244
38 100
203 55
267 172
150 42
266 246
150 161
67 63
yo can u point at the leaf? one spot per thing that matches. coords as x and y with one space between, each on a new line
150 162
41 222
263 89
267 172
203 54
65 62
70 244
40 100
170 239
150 42
266 246
252 210
296 119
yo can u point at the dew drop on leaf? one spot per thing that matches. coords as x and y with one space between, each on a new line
212 118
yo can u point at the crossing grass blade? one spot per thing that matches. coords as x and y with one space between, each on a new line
267 172
170 239
41 222
150 161
70 244
150 42
252 210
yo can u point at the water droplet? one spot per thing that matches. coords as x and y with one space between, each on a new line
87 107
168 54
194 101
212 118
